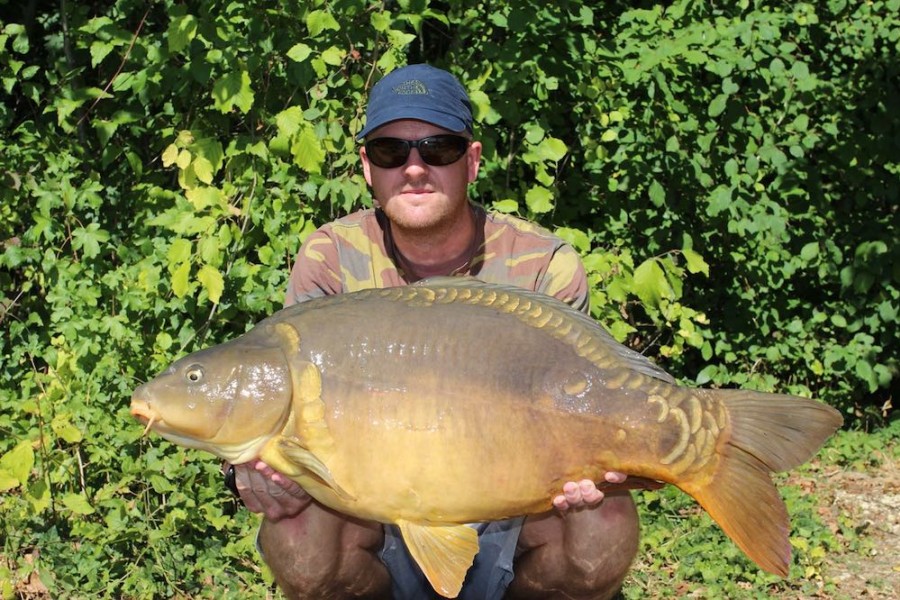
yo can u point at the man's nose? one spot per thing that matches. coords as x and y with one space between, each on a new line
414 163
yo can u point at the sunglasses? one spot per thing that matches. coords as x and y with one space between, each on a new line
435 150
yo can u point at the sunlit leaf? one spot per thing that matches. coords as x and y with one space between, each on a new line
299 52
180 33
64 428
289 120
307 151
180 281
211 280
17 463
539 200
233 91
695 262
78 504
317 21
650 282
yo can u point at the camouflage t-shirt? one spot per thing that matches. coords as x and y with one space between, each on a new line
357 252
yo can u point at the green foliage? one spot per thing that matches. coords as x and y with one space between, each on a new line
729 174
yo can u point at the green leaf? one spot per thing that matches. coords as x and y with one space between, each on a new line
203 169
62 426
289 120
534 133
695 262
810 251
717 106
539 200
333 56
577 238
39 496
180 33
203 197
78 504
650 283
212 282
7 480
232 91
209 149
94 25
719 200
88 239
707 374
887 311
99 51
620 330
179 252
864 371
507 206
105 130
380 21
299 52
307 151
552 149
318 21
210 250
183 159
657 194
17 464
180 280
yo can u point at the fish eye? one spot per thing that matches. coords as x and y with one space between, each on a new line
194 373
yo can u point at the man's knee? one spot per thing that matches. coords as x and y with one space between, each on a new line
584 554
320 554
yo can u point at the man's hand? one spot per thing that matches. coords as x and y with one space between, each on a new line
264 490
584 492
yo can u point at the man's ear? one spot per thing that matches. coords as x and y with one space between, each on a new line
473 160
367 168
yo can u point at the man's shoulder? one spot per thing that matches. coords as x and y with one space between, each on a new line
358 228
361 220
500 224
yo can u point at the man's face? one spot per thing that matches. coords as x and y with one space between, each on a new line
415 195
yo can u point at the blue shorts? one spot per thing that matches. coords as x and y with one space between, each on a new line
487 579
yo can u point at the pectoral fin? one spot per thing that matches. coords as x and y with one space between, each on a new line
443 552
304 462
308 416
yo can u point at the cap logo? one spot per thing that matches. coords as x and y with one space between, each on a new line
413 87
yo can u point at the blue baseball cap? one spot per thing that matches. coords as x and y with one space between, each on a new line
420 92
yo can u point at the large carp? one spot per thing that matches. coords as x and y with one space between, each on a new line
454 401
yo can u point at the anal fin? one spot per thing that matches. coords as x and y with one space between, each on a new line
443 552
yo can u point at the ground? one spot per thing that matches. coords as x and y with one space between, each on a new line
871 500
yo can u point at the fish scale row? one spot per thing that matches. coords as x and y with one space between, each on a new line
532 313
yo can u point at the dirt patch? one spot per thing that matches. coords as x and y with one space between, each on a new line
868 502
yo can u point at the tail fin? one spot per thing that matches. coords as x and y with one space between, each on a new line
768 433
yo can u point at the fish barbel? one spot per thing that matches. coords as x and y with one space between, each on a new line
454 401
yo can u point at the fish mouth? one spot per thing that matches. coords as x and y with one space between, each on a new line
143 412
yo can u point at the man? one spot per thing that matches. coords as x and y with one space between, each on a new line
418 158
